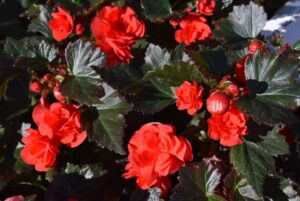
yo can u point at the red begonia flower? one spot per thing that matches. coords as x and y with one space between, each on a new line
193 28
206 7
154 153
60 121
116 29
61 24
228 127
189 97
39 150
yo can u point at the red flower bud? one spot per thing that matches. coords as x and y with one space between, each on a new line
47 77
57 94
218 103
79 29
35 87
233 89
255 45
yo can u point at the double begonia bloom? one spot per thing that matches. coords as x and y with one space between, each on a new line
116 29
154 153
206 7
61 25
228 127
193 28
189 97
39 150
57 124
60 121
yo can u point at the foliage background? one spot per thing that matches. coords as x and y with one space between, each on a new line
17 178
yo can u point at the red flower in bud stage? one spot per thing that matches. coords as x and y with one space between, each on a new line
232 89
154 153
61 24
218 103
60 121
256 45
35 87
290 139
228 127
240 69
193 28
15 198
189 97
206 7
79 29
57 94
39 150
47 77
116 29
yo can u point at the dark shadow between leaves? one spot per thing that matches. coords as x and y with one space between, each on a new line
256 87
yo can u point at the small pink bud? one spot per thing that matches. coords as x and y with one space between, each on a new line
218 103
35 87
47 77
57 94
79 29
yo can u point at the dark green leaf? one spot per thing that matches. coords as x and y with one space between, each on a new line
266 113
3 88
107 129
85 90
20 166
84 85
31 47
280 189
203 67
82 56
40 24
173 69
157 57
288 187
147 96
296 46
141 44
279 72
226 3
217 60
33 10
176 74
197 182
43 50
238 188
153 98
273 85
71 5
224 30
255 159
157 10
245 21
237 52
1 131
27 3
14 47
89 171
30 198
246 191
